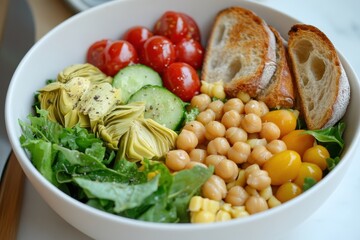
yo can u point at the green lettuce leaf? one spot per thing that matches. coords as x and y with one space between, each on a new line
125 196
330 137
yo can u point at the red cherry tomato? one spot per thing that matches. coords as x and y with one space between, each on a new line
176 26
95 54
111 56
158 53
181 79
191 52
137 36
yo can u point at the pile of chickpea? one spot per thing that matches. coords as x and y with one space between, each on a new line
259 159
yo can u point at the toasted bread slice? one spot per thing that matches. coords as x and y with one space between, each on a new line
240 52
322 84
280 91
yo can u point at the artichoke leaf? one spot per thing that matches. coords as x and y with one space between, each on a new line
98 100
86 71
146 139
165 137
117 122
138 145
60 100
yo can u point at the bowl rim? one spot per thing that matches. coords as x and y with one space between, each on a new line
29 168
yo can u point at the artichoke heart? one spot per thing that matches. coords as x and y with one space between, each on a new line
61 100
114 125
146 139
98 100
82 95
87 71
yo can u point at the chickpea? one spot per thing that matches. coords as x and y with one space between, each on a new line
227 170
236 196
259 155
231 119
276 146
218 146
235 134
198 128
176 160
253 106
259 180
270 131
206 116
214 188
200 101
234 104
214 160
255 204
198 155
251 168
214 129
256 141
217 107
251 123
264 108
239 152
186 140
192 164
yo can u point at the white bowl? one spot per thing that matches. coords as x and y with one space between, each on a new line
67 44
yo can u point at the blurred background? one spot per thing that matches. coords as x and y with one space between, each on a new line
339 20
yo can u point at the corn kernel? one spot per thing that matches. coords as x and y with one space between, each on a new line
222 216
226 207
195 203
218 90
243 96
266 193
210 205
151 175
215 89
239 211
203 217
240 180
273 202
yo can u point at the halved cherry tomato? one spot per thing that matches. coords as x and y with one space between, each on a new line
176 26
137 36
111 56
190 51
158 53
182 79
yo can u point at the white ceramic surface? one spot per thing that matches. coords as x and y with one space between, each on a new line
67 44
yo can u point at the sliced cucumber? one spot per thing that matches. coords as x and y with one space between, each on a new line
161 105
133 77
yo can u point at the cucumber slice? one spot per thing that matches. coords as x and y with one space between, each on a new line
133 77
161 105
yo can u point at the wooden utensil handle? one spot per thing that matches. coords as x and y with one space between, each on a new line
11 191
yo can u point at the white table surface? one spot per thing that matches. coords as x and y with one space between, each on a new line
338 218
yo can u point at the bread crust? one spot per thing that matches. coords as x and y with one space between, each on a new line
338 89
280 91
240 52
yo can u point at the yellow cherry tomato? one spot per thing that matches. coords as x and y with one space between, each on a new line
284 119
308 170
298 141
287 191
317 155
283 167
